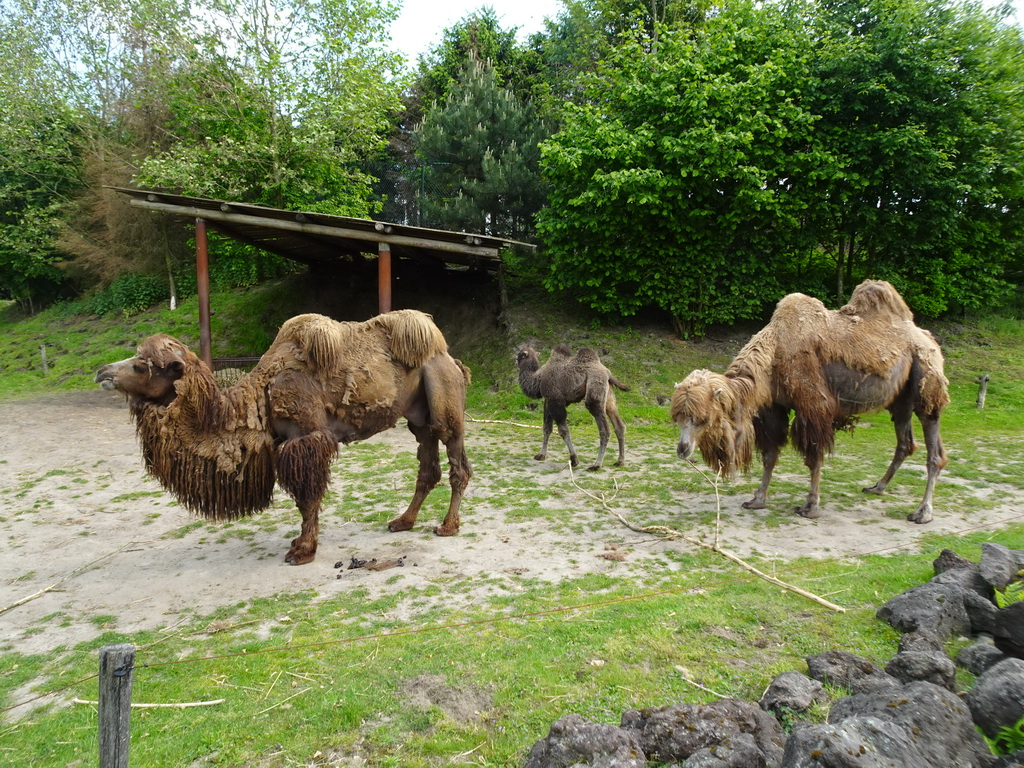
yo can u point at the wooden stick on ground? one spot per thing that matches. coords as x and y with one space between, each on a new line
182 705
497 421
670 533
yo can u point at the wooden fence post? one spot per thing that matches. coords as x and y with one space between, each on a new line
982 389
115 701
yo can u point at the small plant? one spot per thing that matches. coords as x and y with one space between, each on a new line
1013 593
1010 738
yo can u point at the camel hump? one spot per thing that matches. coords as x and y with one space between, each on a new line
413 336
877 298
587 355
561 351
317 336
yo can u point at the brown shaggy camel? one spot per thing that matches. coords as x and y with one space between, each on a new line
566 378
825 367
319 384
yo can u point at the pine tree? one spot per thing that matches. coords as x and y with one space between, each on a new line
483 145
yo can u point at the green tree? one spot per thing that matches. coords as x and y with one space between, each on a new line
923 104
679 182
281 105
38 157
483 144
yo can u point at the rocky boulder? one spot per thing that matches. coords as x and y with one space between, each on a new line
849 671
575 742
677 732
997 698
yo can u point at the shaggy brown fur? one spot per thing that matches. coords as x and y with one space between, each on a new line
825 367
321 383
566 379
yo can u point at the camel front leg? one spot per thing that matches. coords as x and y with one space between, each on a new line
811 508
428 476
303 466
771 427
303 549
769 458
548 424
937 460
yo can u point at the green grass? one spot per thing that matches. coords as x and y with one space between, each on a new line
314 680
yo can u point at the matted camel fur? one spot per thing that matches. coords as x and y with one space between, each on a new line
566 378
319 384
825 367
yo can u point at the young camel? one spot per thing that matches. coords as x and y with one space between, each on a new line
566 378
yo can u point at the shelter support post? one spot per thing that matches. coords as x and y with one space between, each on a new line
383 278
203 291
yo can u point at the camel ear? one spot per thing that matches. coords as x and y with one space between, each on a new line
175 369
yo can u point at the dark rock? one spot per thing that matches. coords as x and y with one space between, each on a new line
937 722
792 692
739 752
574 741
857 742
931 666
1016 760
979 655
949 560
969 579
1008 630
674 733
932 608
849 671
982 613
998 565
920 641
997 698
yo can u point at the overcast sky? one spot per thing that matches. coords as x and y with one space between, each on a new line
421 22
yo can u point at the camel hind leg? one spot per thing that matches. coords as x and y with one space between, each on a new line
937 460
902 412
428 476
597 405
439 418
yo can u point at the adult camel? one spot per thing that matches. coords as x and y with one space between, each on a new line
825 367
320 384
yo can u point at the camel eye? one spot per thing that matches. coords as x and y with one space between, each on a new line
139 368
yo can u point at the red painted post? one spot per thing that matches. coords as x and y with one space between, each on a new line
383 278
203 289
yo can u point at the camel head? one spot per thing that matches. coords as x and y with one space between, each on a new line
526 359
706 411
150 375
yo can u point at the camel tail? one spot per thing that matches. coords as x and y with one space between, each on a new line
616 383
467 374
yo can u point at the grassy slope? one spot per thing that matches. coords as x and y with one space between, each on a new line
729 634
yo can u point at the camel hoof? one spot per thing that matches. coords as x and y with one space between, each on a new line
874 489
595 468
574 462
922 516
753 504
299 557
808 511
540 456
443 531
400 524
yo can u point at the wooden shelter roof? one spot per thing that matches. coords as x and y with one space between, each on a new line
318 238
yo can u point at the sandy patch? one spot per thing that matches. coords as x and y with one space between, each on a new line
78 514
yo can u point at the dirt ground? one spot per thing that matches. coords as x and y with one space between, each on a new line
97 545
